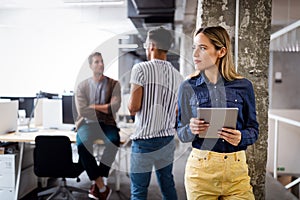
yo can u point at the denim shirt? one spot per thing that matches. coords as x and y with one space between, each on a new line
199 92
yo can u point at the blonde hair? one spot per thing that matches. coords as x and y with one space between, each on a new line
220 38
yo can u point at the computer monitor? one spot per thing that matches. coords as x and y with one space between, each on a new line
69 112
8 116
25 103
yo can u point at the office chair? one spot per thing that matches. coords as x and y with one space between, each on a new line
53 158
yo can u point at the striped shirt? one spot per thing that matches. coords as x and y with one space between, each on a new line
160 82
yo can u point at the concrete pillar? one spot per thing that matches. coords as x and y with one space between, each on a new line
187 31
186 59
253 61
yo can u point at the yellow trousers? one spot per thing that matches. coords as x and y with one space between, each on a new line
212 176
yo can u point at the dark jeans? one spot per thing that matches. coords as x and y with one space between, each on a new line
86 135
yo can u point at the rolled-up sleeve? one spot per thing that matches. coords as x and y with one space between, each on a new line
82 102
115 102
137 75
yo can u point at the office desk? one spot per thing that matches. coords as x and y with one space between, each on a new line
23 138
30 137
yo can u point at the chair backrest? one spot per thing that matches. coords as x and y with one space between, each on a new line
53 156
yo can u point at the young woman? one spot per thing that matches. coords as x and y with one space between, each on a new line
216 167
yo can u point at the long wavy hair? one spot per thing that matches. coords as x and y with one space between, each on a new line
220 38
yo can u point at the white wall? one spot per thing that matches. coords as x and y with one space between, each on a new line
285 95
45 47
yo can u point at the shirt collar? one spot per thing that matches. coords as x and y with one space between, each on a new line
202 79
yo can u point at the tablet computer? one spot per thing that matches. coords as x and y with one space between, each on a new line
217 118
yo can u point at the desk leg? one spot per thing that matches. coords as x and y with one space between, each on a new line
19 170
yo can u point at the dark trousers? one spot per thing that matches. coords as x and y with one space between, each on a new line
86 135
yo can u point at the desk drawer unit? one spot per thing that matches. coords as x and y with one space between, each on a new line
7 180
7 176
7 194
7 163
7 170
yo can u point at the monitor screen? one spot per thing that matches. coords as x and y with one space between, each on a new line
69 112
25 103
